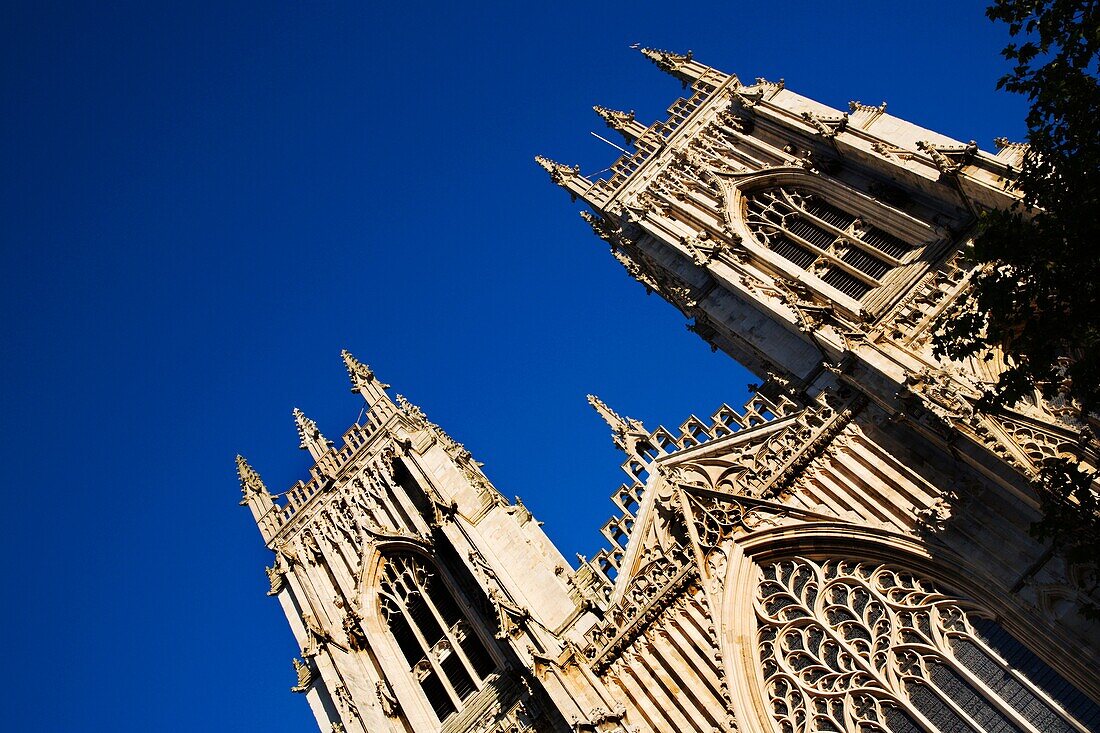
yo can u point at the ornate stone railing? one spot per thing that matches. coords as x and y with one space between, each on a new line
726 421
643 600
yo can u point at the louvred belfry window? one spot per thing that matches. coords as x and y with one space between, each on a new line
858 647
847 252
445 656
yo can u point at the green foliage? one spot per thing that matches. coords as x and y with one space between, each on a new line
1071 518
1036 294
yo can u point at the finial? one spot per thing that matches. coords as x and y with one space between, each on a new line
612 418
615 119
309 436
667 61
360 374
559 172
626 432
251 483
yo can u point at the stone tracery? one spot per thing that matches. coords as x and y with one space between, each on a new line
643 630
822 238
447 658
861 646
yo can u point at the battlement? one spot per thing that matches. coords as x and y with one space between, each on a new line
326 470
655 137
274 512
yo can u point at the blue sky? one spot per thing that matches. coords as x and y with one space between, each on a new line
201 204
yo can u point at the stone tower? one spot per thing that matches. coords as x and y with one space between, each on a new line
849 551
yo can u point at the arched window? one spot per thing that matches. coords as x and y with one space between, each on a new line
444 654
856 647
843 249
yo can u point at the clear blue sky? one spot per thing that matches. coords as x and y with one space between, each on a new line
201 204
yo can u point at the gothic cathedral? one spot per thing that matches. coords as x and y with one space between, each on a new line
848 551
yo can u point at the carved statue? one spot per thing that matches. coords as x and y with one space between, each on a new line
275 578
388 700
305 675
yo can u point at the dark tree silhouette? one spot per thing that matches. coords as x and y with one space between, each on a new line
1035 296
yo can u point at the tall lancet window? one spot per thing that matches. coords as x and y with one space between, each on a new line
860 646
845 250
444 654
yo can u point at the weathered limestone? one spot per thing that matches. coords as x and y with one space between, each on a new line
847 551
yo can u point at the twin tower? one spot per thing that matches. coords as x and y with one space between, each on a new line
848 551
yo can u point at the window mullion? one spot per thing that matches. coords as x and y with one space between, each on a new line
852 270
946 700
872 251
448 634
902 694
833 228
427 650
982 689
885 690
851 236
1027 683
831 258
937 650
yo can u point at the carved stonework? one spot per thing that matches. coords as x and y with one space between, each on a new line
251 483
827 127
635 270
309 435
353 626
316 636
275 579
760 568
361 375
650 589
739 122
619 121
667 61
949 166
559 173
765 464
387 700
858 646
305 674
346 702
719 518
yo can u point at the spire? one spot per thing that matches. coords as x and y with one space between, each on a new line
667 61
559 172
413 412
368 385
628 434
251 483
568 177
361 375
680 65
254 493
309 436
622 122
614 118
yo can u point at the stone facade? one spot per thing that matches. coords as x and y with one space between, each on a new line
848 551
